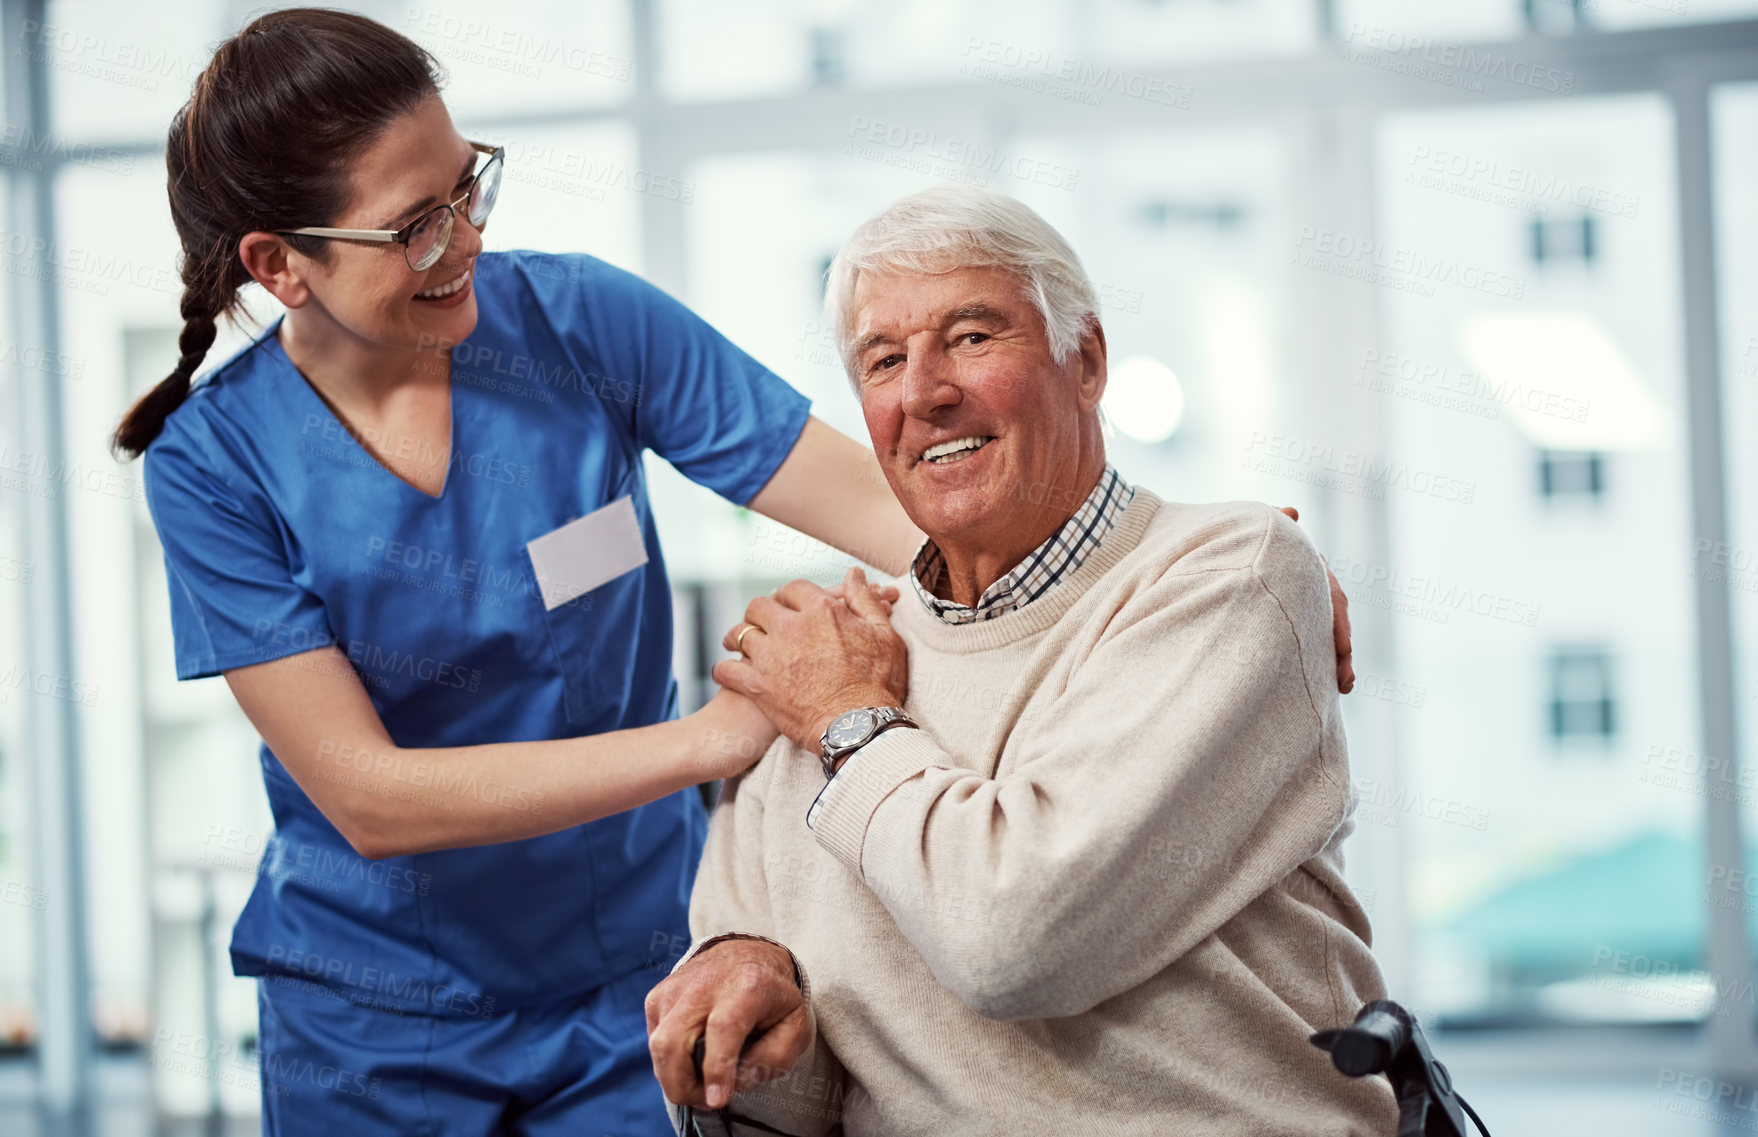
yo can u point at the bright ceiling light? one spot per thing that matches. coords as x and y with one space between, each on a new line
1564 381
1143 399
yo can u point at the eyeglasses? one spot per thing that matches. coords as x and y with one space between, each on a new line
426 238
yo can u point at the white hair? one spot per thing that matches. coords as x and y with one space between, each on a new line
951 227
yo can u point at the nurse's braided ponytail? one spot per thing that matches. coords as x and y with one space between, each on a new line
263 144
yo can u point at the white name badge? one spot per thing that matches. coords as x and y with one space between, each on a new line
583 554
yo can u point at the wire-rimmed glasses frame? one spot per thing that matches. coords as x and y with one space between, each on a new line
433 243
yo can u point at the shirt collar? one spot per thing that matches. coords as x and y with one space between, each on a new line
1043 568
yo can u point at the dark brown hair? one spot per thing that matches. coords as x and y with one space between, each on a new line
264 143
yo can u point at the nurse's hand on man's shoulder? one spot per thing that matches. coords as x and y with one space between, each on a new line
739 996
1339 622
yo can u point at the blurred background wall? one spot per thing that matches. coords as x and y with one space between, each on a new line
1471 282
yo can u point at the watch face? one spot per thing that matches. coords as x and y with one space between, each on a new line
850 727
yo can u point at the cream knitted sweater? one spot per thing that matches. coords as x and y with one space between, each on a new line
1100 890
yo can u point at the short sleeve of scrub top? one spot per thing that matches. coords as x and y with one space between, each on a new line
706 407
282 533
234 597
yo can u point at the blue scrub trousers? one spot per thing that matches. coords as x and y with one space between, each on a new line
578 1067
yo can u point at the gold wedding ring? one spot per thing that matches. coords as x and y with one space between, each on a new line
737 644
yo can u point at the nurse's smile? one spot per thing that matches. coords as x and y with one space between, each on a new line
450 294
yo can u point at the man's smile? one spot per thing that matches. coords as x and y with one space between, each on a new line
956 449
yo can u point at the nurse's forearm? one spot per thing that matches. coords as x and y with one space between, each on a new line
387 800
448 798
831 487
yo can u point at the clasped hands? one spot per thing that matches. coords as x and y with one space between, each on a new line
807 653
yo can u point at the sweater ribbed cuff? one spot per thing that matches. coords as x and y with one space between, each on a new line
863 784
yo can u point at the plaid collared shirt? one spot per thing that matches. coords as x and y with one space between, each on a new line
1045 567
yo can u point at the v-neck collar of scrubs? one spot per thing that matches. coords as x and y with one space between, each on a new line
272 342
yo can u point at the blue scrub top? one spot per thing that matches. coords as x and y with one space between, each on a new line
281 534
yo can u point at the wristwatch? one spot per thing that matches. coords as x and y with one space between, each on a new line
851 730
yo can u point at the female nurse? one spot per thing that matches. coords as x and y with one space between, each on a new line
409 525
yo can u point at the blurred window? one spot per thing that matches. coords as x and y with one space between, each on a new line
1571 474
1581 704
1501 599
1561 241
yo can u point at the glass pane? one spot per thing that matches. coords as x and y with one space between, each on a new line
1399 26
731 51
571 188
134 282
169 768
21 893
1617 15
1085 53
1126 31
1531 373
523 55
1734 110
1390 24
118 70
758 237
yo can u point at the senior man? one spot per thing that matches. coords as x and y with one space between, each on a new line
1070 861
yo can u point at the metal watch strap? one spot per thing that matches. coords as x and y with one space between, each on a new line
886 718
879 729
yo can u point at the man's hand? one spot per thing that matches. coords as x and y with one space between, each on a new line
1339 623
808 656
731 993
